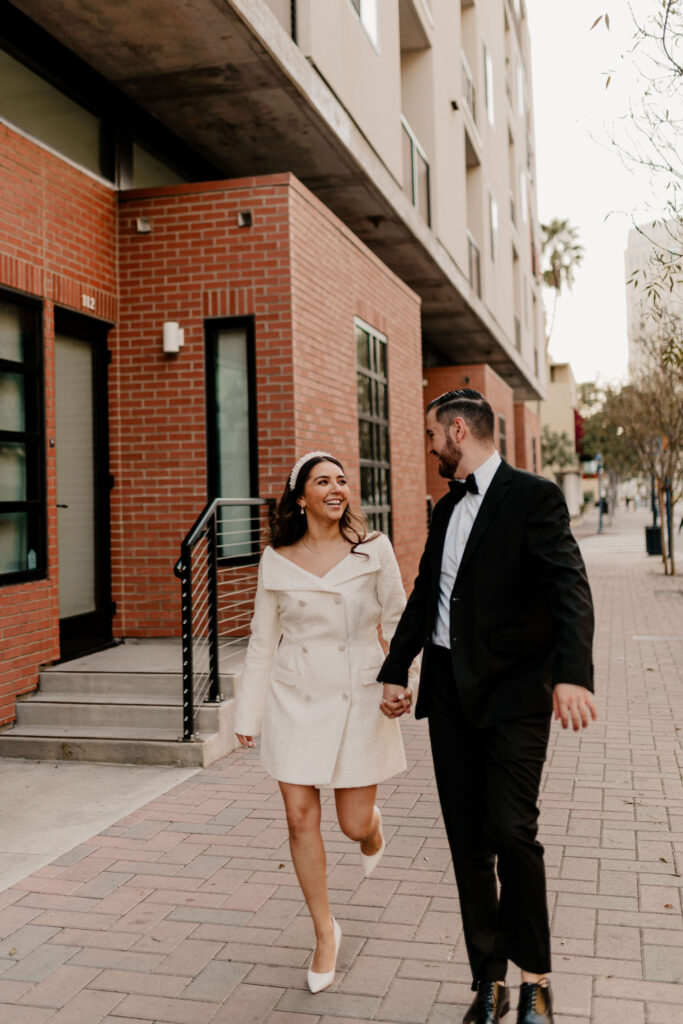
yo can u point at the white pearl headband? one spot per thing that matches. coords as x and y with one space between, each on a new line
302 461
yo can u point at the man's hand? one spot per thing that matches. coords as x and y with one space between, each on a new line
573 703
246 741
396 700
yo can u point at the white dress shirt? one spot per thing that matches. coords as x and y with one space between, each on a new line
457 535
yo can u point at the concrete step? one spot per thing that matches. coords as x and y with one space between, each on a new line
36 712
135 684
125 750
124 744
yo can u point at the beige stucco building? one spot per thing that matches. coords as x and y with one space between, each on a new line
558 415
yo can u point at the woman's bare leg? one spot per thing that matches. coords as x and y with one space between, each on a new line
357 820
302 806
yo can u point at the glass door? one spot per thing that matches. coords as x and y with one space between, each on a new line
85 607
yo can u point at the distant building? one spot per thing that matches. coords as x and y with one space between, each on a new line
644 243
559 415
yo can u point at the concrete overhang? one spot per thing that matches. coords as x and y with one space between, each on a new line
227 79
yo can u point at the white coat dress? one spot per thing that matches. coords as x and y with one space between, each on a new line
309 684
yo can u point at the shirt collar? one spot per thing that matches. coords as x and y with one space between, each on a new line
485 473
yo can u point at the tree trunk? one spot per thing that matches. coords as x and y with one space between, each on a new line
662 526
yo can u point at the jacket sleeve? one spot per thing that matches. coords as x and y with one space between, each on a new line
390 592
560 569
392 599
409 636
252 690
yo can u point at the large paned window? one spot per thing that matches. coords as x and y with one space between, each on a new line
48 93
22 460
373 427
231 431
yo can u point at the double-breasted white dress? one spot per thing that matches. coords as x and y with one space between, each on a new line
309 684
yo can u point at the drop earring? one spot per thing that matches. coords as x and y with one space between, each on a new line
302 510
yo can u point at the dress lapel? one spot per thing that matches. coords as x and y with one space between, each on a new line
496 492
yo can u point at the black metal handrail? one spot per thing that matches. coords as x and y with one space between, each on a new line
216 541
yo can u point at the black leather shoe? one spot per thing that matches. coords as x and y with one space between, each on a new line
491 1003
535 1004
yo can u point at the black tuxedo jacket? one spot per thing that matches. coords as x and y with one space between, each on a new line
521 609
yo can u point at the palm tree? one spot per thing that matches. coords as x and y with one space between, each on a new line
562 254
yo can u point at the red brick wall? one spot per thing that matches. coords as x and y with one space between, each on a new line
57 240
527 436
297 271
335 279
304 277
482 378
195 263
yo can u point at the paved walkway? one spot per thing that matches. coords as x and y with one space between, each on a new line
188 911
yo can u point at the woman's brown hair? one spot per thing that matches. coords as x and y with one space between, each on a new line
289 526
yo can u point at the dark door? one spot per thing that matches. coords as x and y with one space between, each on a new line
83 482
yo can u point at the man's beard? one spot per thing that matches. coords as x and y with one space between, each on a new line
449 457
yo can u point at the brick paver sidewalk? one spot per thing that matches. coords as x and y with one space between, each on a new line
188 911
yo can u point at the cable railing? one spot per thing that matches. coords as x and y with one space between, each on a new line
218 569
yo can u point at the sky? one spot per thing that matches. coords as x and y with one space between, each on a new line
580 176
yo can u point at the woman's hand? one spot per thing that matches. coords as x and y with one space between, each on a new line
396 700
246 741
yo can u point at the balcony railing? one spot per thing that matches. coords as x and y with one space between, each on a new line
415 172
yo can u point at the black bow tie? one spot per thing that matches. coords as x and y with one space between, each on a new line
459 488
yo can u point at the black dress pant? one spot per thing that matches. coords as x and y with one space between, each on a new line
488 781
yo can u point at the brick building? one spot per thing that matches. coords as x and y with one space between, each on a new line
229 178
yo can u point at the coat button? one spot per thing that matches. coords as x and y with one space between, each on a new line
305 650
345 696
342 647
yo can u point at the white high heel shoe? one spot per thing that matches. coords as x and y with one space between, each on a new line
317 982
370 861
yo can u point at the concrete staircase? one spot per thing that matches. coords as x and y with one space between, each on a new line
122 706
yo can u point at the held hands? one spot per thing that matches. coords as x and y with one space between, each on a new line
396 700
246 741
575 703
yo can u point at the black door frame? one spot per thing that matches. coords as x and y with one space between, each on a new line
80 634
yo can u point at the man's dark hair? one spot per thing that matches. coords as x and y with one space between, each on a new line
468 404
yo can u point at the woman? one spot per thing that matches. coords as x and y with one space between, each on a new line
310 675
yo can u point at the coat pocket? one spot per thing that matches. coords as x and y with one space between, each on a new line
371 662
280 674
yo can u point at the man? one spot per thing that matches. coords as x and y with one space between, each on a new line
503 610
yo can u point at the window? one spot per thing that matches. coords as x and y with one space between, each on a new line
493 227
22 459
47 113
502 438
474 265
231 431
415 171
373 427
523 202
369 18
520 90
468 90
48 93
488 84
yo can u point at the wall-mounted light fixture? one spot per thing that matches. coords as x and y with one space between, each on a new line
173 337
143 225
244 219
